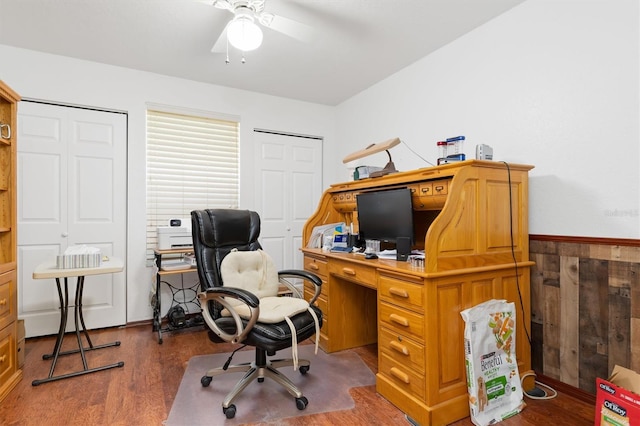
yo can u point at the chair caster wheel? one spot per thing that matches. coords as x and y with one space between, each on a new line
304 369
302 403
205 381
230 411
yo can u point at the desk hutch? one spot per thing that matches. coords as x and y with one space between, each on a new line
471 220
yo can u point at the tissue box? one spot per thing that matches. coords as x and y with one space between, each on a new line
79 257
617 399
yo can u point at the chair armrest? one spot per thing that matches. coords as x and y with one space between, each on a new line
244 296
218 295
305 275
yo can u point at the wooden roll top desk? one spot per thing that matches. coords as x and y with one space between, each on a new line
471 220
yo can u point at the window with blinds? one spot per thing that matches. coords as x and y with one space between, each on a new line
192 163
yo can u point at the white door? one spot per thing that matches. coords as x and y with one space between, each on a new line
71 190
288 187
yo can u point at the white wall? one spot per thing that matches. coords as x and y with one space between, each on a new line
551 83
66 80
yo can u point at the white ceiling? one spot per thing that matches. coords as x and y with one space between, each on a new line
356 43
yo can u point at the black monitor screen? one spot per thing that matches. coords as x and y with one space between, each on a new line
385 215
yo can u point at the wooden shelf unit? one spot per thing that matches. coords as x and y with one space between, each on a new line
10 373
471 219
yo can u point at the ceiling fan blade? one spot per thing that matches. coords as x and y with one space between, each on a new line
222 4
289 27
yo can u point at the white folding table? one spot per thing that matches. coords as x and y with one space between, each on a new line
49 270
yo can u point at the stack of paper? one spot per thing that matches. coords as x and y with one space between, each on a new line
319 232
79 257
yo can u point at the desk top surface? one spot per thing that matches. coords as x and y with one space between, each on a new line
48 269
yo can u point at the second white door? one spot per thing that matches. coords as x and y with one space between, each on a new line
288 187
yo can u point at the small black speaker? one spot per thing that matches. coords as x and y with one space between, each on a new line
403 248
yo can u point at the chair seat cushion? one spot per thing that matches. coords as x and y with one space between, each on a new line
275 336
275 309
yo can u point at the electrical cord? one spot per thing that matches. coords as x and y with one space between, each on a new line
418 155
513 253
533 394
547 392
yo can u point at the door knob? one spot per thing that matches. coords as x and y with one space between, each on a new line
65 234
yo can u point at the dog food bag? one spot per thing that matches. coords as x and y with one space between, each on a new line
493 381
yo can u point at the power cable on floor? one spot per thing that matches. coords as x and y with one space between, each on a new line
541 391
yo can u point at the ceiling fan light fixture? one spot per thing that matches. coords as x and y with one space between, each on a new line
244 34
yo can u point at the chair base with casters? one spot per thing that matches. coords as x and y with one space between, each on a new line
267 339
258 370
239 289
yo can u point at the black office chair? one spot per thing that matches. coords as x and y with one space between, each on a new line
216 234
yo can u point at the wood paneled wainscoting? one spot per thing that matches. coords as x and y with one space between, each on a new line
585 307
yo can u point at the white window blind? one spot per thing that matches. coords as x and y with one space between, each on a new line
192 163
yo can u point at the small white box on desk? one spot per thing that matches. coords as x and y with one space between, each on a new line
170 237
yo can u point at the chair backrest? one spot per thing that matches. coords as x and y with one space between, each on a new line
215 233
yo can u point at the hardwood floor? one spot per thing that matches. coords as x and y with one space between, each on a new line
141 392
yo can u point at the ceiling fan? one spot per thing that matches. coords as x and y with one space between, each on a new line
243 33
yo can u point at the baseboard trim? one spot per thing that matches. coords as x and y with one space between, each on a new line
586 240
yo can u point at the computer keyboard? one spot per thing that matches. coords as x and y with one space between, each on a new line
342 249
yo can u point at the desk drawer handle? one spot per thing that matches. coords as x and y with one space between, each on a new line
399 320
6 133
399 348
3 302
439 188
399 375
398 292
349 271
2 359
314 266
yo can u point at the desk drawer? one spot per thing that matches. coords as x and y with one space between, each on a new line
430 195
351 271
402 293
7 307
311 289
321 301
402 321
8 352
402 350
402 376
317 266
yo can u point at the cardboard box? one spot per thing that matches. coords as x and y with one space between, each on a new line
618 399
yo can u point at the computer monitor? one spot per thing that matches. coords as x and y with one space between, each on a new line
385 215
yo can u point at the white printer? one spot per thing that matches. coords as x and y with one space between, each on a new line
173 237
